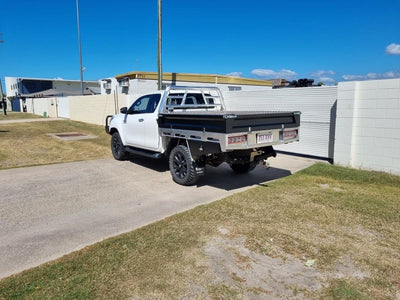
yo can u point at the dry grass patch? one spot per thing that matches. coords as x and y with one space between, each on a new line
28 144
12 115
324 233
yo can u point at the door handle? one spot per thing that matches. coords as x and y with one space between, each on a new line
141 120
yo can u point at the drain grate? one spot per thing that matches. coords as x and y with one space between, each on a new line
72 136
69 134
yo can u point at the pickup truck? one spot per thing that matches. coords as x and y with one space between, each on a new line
191 127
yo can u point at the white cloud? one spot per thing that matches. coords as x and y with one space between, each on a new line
322 73
354 77
391 74
393 49
371 75
266 73
326 80
235 74
324 76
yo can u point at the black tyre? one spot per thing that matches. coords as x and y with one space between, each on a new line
117 148
243 168
181 166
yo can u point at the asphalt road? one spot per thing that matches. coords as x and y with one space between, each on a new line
49 211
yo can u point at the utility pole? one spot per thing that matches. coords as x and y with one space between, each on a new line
1 87
79 42
1 91
159 63
2 101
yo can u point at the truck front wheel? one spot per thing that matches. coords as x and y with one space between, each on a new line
181 166
117 148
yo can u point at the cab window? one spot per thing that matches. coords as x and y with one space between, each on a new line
145 104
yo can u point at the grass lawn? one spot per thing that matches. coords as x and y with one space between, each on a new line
324 233
12 115
27 144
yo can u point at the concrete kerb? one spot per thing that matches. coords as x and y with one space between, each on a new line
30 120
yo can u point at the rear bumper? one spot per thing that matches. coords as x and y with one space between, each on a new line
249 142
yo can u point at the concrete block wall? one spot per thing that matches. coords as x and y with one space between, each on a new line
368 125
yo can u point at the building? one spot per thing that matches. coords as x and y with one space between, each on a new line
142 82
20 88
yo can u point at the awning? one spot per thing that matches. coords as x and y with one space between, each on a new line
54 92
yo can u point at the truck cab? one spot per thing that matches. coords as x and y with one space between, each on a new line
137 124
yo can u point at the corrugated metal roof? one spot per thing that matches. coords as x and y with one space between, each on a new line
204 78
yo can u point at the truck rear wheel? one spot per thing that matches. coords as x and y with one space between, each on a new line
181 166
243 168
117 148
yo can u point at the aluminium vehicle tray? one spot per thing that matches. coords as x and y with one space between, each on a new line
228 121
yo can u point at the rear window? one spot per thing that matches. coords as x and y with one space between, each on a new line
191 99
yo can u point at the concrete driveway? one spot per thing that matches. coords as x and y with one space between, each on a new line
50 211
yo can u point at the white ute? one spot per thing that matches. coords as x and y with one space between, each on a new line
191 128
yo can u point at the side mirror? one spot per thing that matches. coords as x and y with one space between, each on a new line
124 110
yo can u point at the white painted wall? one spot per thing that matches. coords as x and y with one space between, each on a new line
317 106
103 83
368 125
11 86
142 86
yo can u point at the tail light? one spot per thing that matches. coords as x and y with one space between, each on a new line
289 134
237 139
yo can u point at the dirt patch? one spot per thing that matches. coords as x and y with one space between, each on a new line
72 136
258 276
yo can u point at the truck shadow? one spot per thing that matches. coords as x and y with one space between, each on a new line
159 165
224 178
221 177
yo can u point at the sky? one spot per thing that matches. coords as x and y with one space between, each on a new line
329 41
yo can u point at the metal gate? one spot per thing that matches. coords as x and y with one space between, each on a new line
318 114
63 107
15 105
